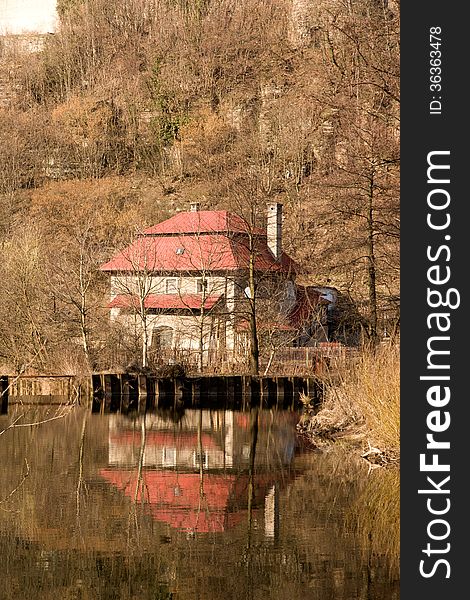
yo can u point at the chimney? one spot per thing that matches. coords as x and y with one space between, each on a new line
194 206
274 229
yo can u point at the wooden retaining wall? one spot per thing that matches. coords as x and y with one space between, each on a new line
43 389
110 392
114 392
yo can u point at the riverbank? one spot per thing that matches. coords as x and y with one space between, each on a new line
361 407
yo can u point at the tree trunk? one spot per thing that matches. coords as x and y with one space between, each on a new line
84 308
372 286
254 345
145 341
201 338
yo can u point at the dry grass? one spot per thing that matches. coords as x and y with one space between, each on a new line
362 397
374 389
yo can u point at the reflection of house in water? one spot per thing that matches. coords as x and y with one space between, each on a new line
200 474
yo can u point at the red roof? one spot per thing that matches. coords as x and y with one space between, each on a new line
203 221
165 301
308 301
175 246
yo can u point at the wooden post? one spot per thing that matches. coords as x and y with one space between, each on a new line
125 392
230 390
106 385
280 390
115 383
4 392
157 392
141 393
220 390
178 391
297 388
196 392
96 392
246 391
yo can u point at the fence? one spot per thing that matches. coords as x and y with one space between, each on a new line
285 360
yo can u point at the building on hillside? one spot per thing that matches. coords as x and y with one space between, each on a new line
184 286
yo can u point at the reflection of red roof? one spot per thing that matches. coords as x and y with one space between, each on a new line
176 245
178 440
166 301
201 520
175 489
180 500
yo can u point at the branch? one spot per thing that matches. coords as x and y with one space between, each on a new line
23 479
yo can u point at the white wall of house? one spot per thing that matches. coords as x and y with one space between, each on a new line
219 331
157 284
186 330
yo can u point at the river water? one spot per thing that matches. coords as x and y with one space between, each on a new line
198 504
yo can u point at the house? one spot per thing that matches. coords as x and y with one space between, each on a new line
187 286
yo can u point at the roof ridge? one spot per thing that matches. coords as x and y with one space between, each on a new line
202 221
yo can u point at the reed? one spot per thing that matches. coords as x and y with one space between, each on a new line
362 399
373 386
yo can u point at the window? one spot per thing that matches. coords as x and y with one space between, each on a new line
201 286
199 460
168 457
171 286
162 338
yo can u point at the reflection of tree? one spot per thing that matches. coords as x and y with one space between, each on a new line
254 425
200 450
81 485
133 526
12 492
18 421
139 486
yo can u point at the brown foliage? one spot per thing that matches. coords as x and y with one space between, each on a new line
135 108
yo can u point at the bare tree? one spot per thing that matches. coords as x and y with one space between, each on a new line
209 284
25 333
134 280
76 292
